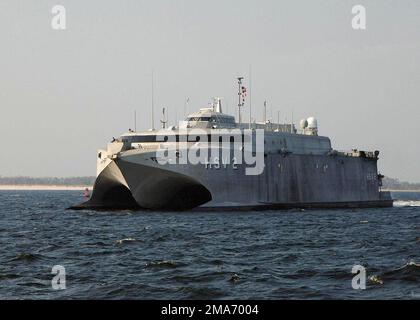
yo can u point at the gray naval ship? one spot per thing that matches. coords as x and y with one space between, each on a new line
300 168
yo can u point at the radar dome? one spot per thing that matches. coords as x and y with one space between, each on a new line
312 123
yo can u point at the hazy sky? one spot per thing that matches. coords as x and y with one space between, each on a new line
64 94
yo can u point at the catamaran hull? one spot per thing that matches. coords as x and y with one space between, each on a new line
289 181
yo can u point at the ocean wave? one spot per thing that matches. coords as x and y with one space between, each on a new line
125 241
409 272
8 276
118 256
27 257
162 264
96 244
196 277
199 293
406 203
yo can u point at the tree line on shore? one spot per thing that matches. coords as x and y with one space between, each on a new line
395 184
388 183
47 181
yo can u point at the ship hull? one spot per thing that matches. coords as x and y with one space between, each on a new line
288 181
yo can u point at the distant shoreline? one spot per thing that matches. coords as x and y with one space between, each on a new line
396 190
83 187
44 187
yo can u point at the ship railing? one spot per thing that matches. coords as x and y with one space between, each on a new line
273 127
357 153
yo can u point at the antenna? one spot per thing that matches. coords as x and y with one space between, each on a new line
250 95
291 125
265 112
278 120
153 102
135 121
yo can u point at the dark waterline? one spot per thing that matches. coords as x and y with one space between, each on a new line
193 255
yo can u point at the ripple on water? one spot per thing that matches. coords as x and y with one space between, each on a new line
163 264
26 257
126 241
195 255
201 293
8 276
410 272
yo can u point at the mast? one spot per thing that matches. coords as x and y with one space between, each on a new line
240 101
250 95
185 107
153 102
265 111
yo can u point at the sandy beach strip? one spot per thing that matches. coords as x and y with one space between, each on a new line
44 187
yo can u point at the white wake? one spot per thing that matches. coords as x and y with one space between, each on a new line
406 203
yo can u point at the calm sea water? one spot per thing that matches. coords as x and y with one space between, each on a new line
195 255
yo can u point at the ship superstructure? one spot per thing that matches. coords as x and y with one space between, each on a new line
300 168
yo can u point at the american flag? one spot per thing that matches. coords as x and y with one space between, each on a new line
243 95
